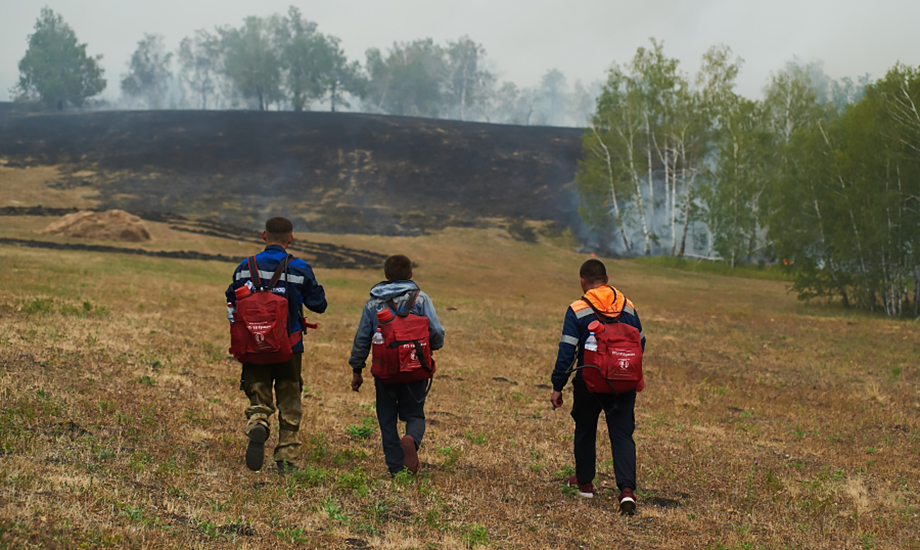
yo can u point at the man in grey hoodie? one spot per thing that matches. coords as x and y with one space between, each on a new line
406 401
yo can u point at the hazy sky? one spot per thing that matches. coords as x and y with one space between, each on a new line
523 38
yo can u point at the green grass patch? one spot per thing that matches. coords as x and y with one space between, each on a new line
476 536
363 431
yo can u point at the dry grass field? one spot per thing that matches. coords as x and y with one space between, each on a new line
766 423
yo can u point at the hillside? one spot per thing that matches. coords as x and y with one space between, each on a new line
765 423
330 172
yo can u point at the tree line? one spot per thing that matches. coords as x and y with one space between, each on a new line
284 62
822 176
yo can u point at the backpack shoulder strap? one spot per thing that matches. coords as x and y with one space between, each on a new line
405 313
282 268
254 273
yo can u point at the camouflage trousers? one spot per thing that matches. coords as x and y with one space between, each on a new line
257 382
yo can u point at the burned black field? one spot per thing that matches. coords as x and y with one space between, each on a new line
329 172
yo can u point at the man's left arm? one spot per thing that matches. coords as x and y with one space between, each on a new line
568 351
435 330
314 296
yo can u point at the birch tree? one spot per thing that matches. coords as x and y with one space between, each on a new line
148 72
465 75
609 178
251 59
738 172
200 62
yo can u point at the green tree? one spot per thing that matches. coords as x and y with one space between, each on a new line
737 179
342 77
408 81
608 177
148 72
738 173
649 135
846 201
582 101
252 61
200 61
55 68
467 82
511 105
553 98
795 213
304 59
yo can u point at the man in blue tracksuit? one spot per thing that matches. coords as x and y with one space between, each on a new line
405 402
299 285
618 408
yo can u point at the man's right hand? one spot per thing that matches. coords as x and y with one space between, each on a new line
556 399
356 380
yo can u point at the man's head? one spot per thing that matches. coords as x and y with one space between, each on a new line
278 230
593 274
397 268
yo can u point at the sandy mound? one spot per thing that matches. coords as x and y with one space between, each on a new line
111 225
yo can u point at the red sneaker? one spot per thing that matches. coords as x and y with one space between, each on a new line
410 456
627 502
585 490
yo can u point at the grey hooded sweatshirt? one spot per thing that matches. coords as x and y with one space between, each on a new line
398 291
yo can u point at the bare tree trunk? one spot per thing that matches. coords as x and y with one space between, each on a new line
688 192
648 154
332 95
613 192
683 236
917 291
640 200
463 99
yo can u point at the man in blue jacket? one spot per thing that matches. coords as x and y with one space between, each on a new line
405 402
586 406
299 285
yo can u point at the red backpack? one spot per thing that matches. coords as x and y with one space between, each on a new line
259 328
616 365
400 348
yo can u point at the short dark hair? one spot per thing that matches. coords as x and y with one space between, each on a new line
397 268
278 229
593 271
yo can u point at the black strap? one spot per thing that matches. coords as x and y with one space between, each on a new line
256 277
282 268
392 304
603 318
424 395
418 351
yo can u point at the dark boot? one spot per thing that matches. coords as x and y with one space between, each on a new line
255 451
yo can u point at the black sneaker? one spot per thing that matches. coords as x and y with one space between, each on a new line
285 467
255 451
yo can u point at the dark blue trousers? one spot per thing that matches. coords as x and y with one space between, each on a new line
619 411
404 402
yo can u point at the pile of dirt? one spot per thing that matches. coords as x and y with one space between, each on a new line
111 225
